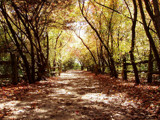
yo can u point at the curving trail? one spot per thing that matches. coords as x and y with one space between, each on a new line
75 95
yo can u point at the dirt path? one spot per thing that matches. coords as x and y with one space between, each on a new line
75 95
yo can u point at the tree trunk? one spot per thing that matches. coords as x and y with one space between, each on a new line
14 69
134 68
26 64
82 67
151 41
47 59
32 80
150 67
101 40
115 74
124 72
155 15
94 59
133 44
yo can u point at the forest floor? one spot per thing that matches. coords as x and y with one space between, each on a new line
79 95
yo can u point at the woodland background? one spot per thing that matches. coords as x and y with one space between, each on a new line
42 38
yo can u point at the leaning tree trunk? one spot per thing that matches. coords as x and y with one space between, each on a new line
101 40
25 61
154 14
151 41
94 59
29 35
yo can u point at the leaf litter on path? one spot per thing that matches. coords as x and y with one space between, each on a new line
80 95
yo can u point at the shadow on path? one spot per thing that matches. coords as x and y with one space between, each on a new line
75 95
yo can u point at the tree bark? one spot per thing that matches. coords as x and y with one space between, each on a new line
154 16
26 64
14 69
124 72
133 43
150 67
151 41
32 80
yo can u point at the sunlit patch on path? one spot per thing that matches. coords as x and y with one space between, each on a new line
74 95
